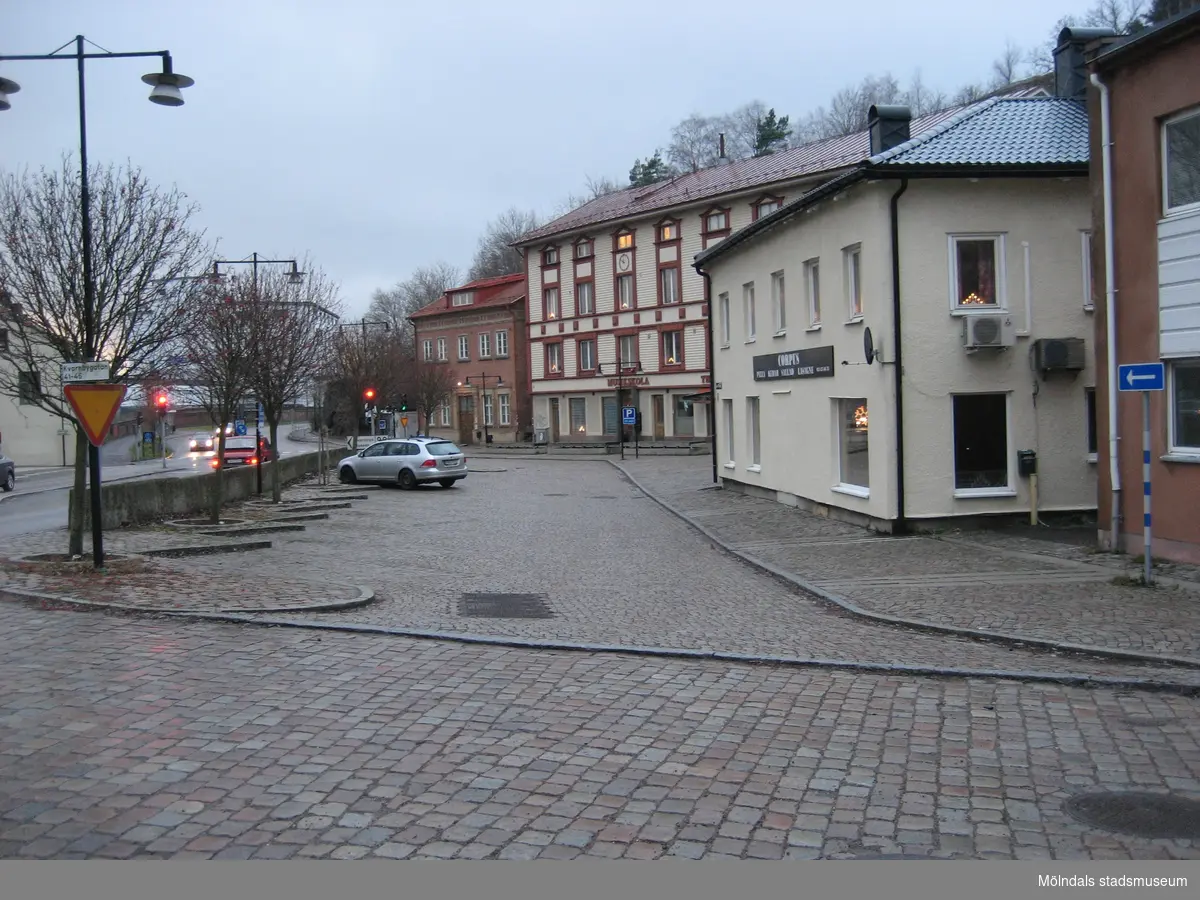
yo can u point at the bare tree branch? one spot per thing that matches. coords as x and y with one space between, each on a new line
495 255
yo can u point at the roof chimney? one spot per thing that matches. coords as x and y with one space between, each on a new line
888 126
1070 65
722 145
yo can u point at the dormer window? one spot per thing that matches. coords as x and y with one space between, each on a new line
584 249
717 220
550 256
767 205
668 231
625 240
465 298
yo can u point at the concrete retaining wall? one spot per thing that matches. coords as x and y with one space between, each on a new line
142 500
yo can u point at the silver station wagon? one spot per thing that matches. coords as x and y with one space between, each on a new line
407 462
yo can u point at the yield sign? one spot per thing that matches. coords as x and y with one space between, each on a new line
95 407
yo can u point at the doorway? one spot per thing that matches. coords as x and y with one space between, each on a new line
554 425
658 414
466 419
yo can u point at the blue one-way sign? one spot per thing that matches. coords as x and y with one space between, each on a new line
628 415
1142 377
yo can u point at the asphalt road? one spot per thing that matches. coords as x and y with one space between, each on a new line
39 502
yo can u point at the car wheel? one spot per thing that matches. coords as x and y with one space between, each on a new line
406 479
448 482
346 475
10 481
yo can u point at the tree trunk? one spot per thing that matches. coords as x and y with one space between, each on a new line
79 495
276 487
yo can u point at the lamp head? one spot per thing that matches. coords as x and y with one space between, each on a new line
167 85
7 86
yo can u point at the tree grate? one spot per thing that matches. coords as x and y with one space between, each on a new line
505 606
1138 813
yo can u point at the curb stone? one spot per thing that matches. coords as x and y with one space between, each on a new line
899 621
365 596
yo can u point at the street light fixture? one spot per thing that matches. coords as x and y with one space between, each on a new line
481 381
627 373
167 92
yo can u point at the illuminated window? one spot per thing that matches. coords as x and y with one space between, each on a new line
854 462
551 301
977 273
554 359
624 241
625 291
672 348
668 232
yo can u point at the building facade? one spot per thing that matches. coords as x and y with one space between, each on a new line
471 352
893 345
1149 309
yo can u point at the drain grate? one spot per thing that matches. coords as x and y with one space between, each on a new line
505 606
1138 813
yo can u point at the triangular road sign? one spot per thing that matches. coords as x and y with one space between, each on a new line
95 407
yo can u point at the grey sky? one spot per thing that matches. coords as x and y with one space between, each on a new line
380 136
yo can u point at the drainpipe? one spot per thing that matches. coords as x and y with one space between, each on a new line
712 381
1110 312
901 525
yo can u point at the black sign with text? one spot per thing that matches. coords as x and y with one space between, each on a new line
815 362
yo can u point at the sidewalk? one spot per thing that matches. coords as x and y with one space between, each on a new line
1003 586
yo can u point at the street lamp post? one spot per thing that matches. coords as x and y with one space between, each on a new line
627 382
363 325
167 92
481 382
295 277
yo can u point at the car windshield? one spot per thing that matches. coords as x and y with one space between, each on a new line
442 448
239 443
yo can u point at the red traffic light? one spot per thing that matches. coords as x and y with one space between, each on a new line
161 401
369 394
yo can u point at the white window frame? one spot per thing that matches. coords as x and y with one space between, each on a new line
1001 305
466 298
505 409
667 232
841 486
427 349
590 345
730 435
590 288
1089 303
779 303
445 415
625 278
553 311
557 347
754 433
550 256
723 306
574 403
851 261
622 360
676 336
748 304
487 409
1009 490
1187 208
1175 451
485 345
708 221
464 348
812 292
673 276
501 344
441 349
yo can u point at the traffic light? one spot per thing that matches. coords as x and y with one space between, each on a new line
160 402
369 394
404 403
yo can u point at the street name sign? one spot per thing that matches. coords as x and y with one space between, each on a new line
88 371
95 407
1142 377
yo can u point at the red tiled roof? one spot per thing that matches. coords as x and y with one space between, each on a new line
503 290
827 155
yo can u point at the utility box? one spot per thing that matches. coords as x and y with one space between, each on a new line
1026 463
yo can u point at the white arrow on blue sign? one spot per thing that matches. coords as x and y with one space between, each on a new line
1142 377
628 415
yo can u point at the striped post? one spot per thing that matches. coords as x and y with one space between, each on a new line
1148 572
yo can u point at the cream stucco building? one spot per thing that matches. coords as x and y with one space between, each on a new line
964 252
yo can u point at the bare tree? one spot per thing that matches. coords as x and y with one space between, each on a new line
601 186
294 330
143 250
695 143
1122 16
221 361
1006 68
362 358
495 255
922 99
741 129
433 386
847 111
424 286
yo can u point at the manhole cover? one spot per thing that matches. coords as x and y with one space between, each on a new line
504 606
1138 813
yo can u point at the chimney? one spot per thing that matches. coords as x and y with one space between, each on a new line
722 145
1070 63
888 126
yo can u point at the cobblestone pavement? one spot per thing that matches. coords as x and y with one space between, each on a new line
981 580
615 569
126 737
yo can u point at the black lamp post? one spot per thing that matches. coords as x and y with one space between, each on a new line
481 382
627 380
296 277
167 91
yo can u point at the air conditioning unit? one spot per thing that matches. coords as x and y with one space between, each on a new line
988 331
1059 354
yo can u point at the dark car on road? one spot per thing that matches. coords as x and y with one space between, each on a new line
8 473
240 451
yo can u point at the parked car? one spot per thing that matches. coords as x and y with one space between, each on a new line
201 442
240 451
8 473
407 462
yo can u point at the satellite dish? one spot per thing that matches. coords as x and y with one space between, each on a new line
868 346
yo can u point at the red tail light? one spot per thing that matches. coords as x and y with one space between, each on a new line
253 460
429 464
215 463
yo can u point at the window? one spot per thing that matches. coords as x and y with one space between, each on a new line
778 304
550 302
1185 407
578 415
505 409
672 348
29 387
975 277
485 345
1089 396
723 303
487 409
753 435
502 343
625 291
684 417
669 231
748 309
854 304
441 349
446 413
1181 162
427 350
625 241
668 285
716 221
766 206
628 350
466 298
583 250
854 454
554 359
587 355
464 347
1086 240
585 299
981 444
550 256
812 286
730 443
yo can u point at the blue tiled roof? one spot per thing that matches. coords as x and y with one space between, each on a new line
1000 132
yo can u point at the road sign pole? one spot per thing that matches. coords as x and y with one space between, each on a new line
97 523
1148 567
